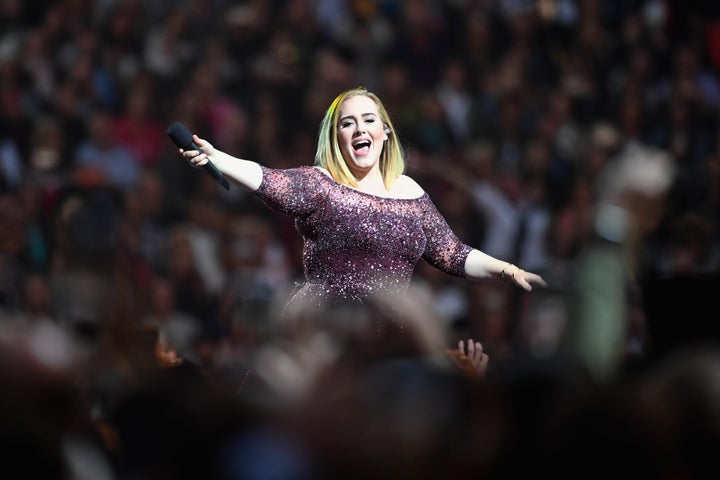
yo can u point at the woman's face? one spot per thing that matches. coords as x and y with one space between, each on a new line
361 134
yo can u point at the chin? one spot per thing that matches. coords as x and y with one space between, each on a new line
366 161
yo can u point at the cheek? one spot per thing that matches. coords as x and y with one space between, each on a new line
379 133
343 139
342 136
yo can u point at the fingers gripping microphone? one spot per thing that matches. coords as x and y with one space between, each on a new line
182 138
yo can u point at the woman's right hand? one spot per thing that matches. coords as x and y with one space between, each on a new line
198 158
245 173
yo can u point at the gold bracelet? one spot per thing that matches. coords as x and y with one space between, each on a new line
504 276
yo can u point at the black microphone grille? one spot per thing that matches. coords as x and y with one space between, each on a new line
180 135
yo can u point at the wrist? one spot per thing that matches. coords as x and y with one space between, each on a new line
508 272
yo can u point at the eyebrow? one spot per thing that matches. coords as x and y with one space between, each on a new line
368 114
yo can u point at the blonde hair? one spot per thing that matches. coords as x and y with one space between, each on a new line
329 155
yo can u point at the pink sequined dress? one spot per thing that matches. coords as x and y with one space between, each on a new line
357 244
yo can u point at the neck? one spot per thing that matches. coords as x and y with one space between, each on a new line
371 174
372 183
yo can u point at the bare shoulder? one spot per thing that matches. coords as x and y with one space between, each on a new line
406 187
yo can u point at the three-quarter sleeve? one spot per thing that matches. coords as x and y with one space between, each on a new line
292 191
443 249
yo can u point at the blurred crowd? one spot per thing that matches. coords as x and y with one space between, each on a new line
139 335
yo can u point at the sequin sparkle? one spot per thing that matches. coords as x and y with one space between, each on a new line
357 244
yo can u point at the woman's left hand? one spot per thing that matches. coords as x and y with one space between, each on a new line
526 280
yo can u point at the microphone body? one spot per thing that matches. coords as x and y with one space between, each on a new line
182 138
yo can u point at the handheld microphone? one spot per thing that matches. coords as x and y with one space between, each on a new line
182 138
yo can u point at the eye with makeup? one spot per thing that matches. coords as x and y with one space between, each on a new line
349 123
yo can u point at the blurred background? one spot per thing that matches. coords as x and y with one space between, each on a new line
139 335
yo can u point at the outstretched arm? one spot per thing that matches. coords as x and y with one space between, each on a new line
481 265
446 252
245 173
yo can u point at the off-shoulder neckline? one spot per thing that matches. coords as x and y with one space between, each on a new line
324 173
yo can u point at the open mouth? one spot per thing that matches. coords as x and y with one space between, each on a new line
362 147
